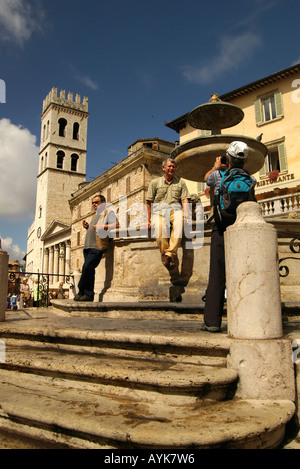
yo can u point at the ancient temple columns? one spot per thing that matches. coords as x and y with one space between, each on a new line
51 253
46 261
57 261
68 257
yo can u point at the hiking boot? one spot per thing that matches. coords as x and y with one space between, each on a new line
210 328
77 297
86 298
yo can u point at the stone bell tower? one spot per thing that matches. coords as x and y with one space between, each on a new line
62 166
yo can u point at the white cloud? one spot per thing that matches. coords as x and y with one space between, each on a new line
87 81
13 250
19 19
18 171
233 52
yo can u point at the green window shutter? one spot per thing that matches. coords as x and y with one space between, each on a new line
278 103
282 158
258 111
200 186
263 171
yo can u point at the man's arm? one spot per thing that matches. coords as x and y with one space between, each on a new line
186 209
111 223
218 165
149 210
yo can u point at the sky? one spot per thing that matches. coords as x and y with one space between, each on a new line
141 63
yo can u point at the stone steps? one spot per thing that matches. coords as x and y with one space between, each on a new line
80 416
120 384
165 376
132 310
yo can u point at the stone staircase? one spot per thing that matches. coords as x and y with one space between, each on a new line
141 378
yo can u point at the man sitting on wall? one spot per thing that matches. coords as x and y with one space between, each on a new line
168 194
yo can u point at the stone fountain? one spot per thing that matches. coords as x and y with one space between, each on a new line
195 157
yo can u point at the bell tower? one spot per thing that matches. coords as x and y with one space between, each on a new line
62 166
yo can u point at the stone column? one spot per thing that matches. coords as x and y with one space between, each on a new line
56 263
252 276
61 269
46 261
3 282
51 265
68 257
257 349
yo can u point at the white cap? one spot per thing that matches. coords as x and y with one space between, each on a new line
238 150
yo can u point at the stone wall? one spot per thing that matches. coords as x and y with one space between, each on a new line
131 270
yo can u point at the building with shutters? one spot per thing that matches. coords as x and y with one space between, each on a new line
271 109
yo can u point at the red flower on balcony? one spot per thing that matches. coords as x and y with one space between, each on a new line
272 175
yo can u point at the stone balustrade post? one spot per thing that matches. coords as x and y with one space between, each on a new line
252 276
3 282
254 320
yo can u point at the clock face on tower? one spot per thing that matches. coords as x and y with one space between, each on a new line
39 232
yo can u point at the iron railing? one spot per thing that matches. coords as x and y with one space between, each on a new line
44 290
295 248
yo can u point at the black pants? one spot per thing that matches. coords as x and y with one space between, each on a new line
92 258
215 291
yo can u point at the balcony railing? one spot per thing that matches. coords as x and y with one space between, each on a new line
280 205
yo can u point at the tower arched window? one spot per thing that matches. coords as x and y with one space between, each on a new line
75 131
60 159
74 161
62 127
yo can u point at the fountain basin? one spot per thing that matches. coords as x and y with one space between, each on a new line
215 115
195 157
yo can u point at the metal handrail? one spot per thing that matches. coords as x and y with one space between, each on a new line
43 281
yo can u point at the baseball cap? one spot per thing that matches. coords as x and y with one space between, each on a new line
238 150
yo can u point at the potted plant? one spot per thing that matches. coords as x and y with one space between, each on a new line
207 192
273 175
